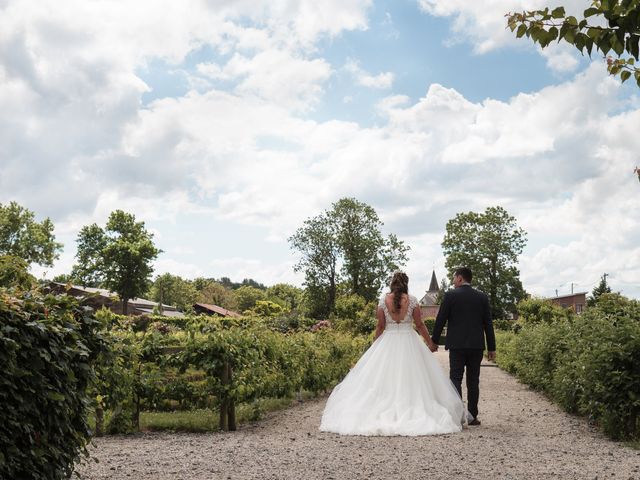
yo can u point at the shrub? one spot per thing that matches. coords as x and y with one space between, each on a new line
586 363
47 347
537 310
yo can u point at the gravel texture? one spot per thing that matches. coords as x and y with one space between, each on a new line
522 436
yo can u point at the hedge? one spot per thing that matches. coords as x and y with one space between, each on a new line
47 346
589 363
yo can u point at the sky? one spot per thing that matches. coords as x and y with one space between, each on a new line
223 125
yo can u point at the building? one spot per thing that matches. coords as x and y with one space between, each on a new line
575 301
209 309
100 297
429 302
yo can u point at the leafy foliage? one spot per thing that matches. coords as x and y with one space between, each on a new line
288 296
21 236
587 363
47 348
489 244
247 297
608 25
14 273
598 291
345 243
174 290
214 293
118 257
536 310
159 363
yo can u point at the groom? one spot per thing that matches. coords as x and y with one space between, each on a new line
469 316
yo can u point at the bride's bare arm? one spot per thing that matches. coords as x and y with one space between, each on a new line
381 322
422 328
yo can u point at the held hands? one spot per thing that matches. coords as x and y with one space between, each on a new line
491 356
432 346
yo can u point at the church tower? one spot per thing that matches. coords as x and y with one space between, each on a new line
430 296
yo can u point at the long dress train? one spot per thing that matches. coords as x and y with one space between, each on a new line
396 388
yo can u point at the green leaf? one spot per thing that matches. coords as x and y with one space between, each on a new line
572 21
594 33
558 12
590 12
522 29
624 76
56 396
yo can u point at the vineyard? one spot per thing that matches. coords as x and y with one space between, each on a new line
96 373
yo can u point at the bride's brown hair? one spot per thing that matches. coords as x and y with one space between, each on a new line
399 285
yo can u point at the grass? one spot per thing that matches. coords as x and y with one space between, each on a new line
207 420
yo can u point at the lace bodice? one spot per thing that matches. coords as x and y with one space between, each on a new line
406 322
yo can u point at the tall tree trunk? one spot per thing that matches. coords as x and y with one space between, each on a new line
125 305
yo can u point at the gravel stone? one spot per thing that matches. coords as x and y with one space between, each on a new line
522 435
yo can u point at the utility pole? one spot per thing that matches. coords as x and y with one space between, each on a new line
571 288
556 292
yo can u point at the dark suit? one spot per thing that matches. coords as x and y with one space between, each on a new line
469 316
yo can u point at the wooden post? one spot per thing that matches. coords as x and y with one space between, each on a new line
99 421
224 380
231 404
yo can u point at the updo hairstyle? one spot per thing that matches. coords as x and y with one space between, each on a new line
399 285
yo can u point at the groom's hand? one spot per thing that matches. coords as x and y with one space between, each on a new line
491 356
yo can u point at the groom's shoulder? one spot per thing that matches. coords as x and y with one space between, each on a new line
480 293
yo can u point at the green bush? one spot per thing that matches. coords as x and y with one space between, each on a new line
157 364
536 310
587 363
47 348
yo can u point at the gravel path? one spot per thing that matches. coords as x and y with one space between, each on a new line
523 436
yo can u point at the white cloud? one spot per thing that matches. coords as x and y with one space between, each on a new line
244 153
383 80
483 25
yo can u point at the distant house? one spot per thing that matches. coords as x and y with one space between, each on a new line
428 303
100 297
575 301
209 309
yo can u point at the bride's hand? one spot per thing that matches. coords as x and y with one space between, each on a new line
433 347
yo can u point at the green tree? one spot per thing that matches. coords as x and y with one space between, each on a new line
90 269
602 288
14 272
444 286
608 25
317 243
288 296
248 296
368 257
118 256
348 306
266 308
345 244
174 290
489 244
21 236
213 293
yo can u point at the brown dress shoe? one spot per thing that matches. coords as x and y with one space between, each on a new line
475 422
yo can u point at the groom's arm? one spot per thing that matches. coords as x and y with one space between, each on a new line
441 318
487 323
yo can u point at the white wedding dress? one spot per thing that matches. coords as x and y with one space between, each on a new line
396 388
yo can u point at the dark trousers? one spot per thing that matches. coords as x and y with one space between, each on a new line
469 359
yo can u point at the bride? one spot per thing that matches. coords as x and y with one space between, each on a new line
397 387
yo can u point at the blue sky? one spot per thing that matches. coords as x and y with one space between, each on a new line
223 126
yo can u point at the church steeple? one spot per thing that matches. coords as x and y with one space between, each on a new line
433 286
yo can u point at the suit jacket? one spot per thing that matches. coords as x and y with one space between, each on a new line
469 315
